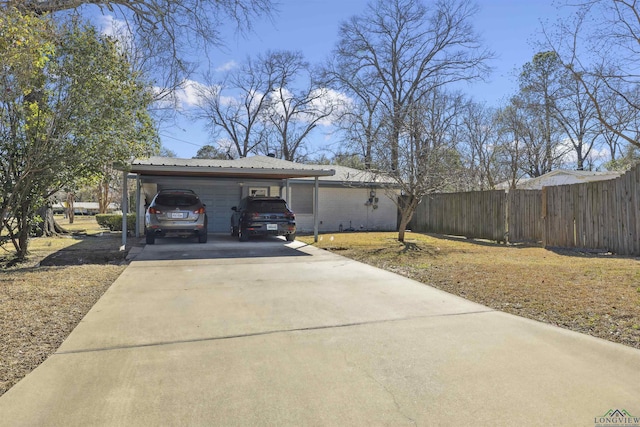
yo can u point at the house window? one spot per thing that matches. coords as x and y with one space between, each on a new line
258 192
302 199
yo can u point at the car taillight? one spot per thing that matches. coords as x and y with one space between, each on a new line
199 211
290 215
255 215
154 211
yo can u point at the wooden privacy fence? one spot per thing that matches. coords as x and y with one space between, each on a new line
493 215
524 216
600 215
474 214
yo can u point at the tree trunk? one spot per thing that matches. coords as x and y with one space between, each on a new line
70 207
22 247
49 226
21 239
103 196
407 209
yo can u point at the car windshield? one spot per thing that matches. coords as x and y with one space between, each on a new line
180 200
268 206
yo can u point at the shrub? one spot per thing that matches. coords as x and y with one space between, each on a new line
114 221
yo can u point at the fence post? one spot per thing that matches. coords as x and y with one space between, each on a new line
544 218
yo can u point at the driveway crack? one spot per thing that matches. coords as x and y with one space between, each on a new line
264 333
381 384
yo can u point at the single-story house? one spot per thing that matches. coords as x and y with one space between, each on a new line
346 198
84 208
559 177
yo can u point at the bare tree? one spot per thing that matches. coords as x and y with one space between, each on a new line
361 127
405 50
298 104
399 56
536 155
577 116
599 46
621 118
509 120
238 115
270 105
540 89
428 159
171 23
480 146
360 119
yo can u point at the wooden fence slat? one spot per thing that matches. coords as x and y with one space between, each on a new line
601 215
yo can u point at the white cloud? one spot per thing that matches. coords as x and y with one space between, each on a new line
323 100
229 100
327 99
227 66
185 97
114 27
188 94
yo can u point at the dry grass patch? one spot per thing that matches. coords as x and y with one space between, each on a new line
42 300
594 294
40 307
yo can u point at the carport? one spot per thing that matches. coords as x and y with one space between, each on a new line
219 180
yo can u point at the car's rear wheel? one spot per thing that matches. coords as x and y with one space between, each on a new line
234 231
291 237
202 237
150 237
244 235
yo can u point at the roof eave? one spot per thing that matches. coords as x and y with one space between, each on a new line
204 171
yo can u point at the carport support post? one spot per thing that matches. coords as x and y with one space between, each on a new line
138 191
315 212
287 191
124 205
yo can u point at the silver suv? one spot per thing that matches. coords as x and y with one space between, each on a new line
176 212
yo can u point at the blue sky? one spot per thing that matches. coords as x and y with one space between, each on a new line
508 28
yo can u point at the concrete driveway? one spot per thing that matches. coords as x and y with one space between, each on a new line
271 333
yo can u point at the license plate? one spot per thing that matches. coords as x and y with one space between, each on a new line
176 215
272 226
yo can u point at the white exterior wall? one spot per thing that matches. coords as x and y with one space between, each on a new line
345 206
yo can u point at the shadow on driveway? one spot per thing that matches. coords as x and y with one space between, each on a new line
218 246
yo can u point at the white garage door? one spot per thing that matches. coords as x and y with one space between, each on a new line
219 196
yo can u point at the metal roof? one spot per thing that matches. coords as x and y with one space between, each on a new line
247 167
346 174
560 177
